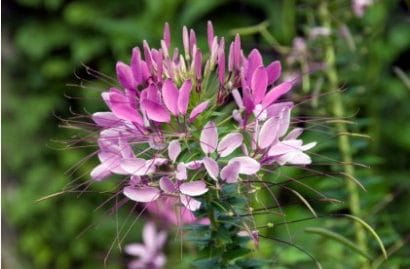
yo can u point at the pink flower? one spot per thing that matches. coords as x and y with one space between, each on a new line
149 254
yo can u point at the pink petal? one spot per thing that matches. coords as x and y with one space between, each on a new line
211 167
190 203
284 122
259 83
237 51
167 185
125 76
248 166
276 92
192 40
229 143
105 119
295 133
136 65
100 172
120 106
170 96
194 188
238 98
142 194
155 111
268 133
209 138
167 35
185 40
198 65
136 166
284 147
183 98
254 61
274 70
149 236
198 110
210 34
221 61
230 172
174 149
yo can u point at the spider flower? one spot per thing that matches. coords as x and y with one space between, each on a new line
170 108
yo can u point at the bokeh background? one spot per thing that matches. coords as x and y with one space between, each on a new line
46 43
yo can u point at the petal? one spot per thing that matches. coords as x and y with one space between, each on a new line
167 35
149 236
183 98
194 165
125 76
120 106
142 194
105 119
174 149
181 173
194 188
268 133
248 166
156 112
276 92
229 143
295 133
198 110
137 250
308 146
210 34
100 172
259 83
167 185
136 166
221 61
295 157
274 70
190 203
209 138
254 61
284 122
170 96
230 172
211 167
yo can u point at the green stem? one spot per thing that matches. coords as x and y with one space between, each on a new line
343 140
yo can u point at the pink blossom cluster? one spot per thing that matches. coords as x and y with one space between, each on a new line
181 123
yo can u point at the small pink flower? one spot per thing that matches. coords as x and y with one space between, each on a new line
149 254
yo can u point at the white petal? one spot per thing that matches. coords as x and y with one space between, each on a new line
174 149
194 188
136 166
248 166
190 203
268 133
142 194
229 143
211 167
209 138
181 173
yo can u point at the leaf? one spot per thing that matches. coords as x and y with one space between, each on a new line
371 230
337 237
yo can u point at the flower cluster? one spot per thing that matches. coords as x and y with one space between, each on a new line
182 123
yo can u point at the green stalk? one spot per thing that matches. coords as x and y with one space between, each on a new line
343 140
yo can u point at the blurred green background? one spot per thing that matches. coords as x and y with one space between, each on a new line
46 42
